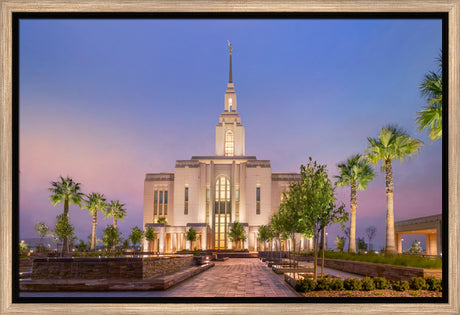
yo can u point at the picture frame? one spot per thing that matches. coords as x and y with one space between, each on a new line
451 7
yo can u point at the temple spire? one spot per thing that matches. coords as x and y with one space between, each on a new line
230 95
230 79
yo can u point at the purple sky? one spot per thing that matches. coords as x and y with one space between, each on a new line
106 101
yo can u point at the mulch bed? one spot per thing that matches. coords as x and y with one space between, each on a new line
375 293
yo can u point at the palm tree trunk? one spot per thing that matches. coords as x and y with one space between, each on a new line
390 228
115 226
93 235
65 241
352 241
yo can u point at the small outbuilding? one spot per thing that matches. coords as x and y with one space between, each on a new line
430 226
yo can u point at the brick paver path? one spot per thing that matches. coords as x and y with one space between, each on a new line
235 277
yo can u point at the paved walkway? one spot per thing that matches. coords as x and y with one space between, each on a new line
235 277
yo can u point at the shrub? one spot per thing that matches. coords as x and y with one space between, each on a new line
433 284
23 249
305 285
367 284
381 283
337 285
352 284
417 283
323 285
400 285
40 249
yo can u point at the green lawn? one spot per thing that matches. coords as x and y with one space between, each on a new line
398 260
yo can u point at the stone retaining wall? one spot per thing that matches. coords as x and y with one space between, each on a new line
152 266
107 268
389 272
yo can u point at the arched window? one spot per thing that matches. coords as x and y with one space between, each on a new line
230 104
222 210
229 144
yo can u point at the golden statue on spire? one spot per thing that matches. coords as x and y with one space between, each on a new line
229 45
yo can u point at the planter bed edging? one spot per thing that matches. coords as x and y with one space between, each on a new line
390 272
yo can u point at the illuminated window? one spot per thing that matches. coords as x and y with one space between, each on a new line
222 210
186 201
229 144
230 104
257 200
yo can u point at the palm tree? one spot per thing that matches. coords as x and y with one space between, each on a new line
68 192
430 118
392 143
116 211
95 203
355 172
162 220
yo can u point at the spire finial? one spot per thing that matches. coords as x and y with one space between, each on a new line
230 79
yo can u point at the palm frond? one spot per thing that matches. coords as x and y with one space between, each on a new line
393 143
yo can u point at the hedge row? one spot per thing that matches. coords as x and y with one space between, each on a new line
368 284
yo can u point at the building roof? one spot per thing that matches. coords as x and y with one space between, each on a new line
416 224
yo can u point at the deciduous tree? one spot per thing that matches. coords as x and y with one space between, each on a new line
191 236
318 203
63 229
150 235
111 237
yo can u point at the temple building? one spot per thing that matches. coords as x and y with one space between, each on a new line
210 193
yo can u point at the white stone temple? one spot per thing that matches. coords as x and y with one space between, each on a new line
210 193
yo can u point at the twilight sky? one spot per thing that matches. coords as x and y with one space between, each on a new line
106 101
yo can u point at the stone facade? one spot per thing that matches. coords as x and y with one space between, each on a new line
107 268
